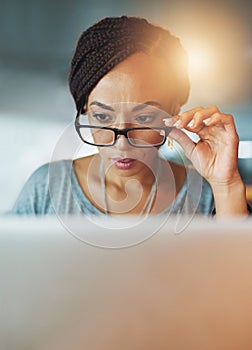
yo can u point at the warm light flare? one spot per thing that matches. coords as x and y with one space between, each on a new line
201 62
217 40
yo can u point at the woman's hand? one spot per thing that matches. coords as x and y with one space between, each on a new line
215 155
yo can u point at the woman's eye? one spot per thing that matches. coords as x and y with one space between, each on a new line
102 118
145 118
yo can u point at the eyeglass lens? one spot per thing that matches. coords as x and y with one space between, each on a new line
137 137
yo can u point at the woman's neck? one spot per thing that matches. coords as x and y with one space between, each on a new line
134 193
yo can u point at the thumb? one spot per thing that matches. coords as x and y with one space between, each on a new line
183 140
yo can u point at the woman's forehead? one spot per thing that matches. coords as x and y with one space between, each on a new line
138 78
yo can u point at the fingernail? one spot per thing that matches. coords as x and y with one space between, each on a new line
178 124
169 121
207 121
191 124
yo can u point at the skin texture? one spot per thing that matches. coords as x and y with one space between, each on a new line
142 79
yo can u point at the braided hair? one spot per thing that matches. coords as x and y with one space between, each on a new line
111 40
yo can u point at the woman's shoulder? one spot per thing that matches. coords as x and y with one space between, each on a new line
34 197
60 174
43 171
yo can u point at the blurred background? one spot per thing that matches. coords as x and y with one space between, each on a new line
37 40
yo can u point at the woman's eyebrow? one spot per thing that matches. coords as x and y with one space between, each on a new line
102 105
145 104
138 107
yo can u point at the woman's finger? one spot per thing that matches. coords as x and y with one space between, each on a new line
194 117
197 120
183 140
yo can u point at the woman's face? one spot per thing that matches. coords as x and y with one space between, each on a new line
138 92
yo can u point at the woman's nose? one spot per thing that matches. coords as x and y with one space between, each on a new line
122 142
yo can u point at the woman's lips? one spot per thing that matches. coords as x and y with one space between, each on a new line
124 163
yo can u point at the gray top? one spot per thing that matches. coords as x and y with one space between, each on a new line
54 189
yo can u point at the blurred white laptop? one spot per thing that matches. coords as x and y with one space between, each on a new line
82 284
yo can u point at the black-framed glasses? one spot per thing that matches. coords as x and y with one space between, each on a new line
103 136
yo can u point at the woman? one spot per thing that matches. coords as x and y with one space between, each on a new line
129 80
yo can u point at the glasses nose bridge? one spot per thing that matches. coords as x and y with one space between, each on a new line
121 137
123 132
